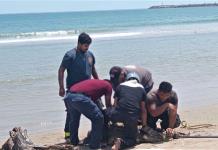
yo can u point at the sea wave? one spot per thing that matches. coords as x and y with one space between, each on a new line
151 31
60 35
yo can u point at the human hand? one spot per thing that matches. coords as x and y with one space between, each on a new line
61 92
169 132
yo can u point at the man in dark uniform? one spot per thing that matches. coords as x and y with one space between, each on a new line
129 106
80 65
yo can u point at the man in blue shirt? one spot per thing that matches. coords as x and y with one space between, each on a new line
80 65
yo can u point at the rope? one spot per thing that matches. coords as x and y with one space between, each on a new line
184 124
198 136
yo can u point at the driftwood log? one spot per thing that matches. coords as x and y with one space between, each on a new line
18 140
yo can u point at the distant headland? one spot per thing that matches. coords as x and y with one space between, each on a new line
184 6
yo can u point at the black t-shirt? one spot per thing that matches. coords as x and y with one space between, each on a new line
79 66
129 95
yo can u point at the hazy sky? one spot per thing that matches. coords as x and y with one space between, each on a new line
26 6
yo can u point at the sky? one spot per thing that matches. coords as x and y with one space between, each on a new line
36 6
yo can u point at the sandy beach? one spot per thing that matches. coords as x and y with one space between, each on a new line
195 116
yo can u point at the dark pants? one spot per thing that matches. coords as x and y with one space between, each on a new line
130 126
165 120
78 104
67 122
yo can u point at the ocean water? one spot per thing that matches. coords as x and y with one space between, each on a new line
176 45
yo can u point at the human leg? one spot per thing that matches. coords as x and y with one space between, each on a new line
88 108
67 124
165 117
129 134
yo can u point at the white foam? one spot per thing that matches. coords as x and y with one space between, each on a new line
151 31
37 39
74 37
109 35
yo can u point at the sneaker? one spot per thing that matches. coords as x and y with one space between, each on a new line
67 140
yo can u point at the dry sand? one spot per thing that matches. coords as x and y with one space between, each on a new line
202 115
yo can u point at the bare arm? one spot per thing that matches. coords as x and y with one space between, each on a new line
108 100
94 73
143 113
172 115
115 102
172 119
61 81
156 111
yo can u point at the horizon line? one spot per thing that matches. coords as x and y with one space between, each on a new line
50 12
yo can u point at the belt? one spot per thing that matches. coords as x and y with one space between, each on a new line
79 93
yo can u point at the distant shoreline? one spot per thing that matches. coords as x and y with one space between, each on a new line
184 6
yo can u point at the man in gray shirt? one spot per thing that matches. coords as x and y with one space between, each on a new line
118 75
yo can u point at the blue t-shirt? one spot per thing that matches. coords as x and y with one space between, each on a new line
79 66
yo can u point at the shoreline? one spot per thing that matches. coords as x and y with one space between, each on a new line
193 116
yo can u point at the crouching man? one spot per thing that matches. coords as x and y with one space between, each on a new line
162 104
118 75
81 100
129 103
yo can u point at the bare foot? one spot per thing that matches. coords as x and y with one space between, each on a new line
116 145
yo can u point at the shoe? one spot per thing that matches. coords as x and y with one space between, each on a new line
67 140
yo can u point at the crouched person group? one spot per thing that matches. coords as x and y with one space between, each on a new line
135 106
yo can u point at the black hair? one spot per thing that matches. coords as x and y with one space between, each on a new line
165 87
133 78
84 38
